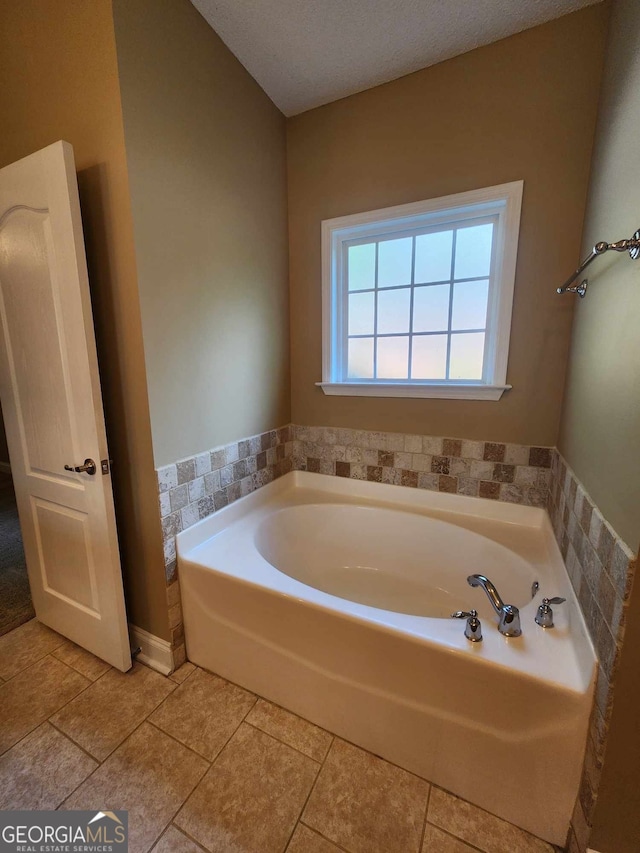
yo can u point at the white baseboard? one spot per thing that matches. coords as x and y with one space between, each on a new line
5 467
154 652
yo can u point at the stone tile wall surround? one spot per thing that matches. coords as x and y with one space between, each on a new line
194 488
601 567
507 472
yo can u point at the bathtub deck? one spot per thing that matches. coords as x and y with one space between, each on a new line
159 747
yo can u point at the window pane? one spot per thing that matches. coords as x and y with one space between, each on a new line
362 267
361 313
473 251
393 311
360 358
429 357
470 304
393 358
431 308
433 257
394 262
466 356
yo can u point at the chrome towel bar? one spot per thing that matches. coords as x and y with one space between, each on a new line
632 246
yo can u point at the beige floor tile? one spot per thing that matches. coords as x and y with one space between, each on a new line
112 707
437 841
41 770
174 841
33 695
149 775
87 664
26 645
366 804
478 827
204 712
251 797
304 840
182 672
294 731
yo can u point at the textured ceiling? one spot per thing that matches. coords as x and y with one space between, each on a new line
309 52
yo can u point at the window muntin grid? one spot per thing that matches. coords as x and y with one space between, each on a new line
414 309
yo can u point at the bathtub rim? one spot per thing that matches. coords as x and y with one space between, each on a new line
464 505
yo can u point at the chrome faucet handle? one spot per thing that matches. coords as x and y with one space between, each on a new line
473 628
544 615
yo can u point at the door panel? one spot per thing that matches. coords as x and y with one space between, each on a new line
64 544
50 391
30 313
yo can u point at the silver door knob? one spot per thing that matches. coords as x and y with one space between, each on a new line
89 467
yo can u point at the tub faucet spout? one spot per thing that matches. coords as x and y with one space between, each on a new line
508 614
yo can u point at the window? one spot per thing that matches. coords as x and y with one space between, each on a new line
417 298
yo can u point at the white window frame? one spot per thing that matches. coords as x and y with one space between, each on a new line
503 202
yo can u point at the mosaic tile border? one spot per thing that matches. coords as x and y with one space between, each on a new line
513 473
601 567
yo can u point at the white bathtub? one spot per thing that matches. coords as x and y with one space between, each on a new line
332 598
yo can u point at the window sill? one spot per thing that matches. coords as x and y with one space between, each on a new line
395 389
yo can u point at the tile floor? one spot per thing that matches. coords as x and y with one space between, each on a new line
201 764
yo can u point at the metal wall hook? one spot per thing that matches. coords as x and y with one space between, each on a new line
632 246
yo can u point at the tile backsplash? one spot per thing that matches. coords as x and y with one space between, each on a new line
507 472
193 488
601 568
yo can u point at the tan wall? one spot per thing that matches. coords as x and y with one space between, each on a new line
522 108
206 153
600 435
59 73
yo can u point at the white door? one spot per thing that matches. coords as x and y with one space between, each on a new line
50 392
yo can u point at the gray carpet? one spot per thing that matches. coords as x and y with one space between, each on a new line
15 597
